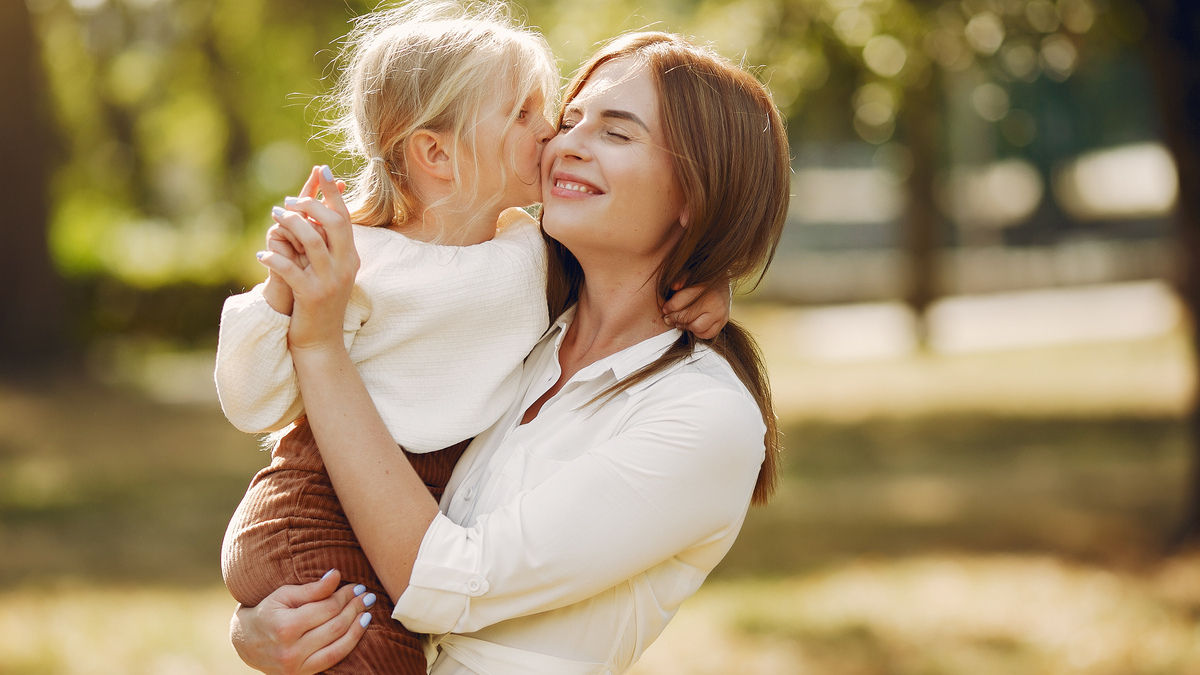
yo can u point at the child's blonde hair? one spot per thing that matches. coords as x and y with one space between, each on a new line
431 64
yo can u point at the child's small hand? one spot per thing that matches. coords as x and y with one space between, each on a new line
281 241
701 311
276 292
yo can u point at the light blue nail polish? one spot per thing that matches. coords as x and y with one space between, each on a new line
326 172
359 590
260 255
364 620
369 600
290 201
278 210
326 575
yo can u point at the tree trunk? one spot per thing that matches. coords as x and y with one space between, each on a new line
1174 44
31 318
921 235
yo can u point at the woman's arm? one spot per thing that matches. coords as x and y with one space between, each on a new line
673 485
386 502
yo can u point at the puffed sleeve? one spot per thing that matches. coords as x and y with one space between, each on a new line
678 477
256 381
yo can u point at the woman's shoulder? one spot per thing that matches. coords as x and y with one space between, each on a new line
706 382
704 369
700 406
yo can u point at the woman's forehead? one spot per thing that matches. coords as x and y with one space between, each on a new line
621 83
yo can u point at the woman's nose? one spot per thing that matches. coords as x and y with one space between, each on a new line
568 143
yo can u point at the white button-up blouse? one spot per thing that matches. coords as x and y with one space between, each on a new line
566 544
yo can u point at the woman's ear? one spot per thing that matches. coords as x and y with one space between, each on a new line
429 152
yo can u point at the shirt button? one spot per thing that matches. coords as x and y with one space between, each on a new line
473 585
468 493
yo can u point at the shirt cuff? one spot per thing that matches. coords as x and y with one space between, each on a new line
444 579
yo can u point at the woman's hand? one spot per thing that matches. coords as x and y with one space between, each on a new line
299 630
320 231
701 311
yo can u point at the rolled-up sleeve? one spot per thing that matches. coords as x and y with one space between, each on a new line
676 478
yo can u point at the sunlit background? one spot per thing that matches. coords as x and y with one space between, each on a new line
980 362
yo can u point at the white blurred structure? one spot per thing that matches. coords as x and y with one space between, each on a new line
993 196
1113 312
846 196
1131 181
988 323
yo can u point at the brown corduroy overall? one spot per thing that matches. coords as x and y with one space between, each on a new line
290 529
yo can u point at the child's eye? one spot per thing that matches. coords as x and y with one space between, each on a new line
522 115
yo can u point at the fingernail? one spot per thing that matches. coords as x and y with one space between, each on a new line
326 172
368 599
364 620
278 211
359 590
290 201
260 255
326 575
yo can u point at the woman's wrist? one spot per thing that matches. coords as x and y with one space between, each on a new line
318 359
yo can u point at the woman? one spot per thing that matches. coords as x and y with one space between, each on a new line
576 525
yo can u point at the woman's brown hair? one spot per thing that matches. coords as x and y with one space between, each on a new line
731 158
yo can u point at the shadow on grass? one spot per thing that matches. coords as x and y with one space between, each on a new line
99 484
104 485
1107 491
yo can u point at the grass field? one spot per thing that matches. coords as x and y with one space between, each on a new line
1006 514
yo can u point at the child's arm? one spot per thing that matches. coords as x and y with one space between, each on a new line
255 377
701 311
256 381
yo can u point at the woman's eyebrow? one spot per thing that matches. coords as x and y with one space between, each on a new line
624 115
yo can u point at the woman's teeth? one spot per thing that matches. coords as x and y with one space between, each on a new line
575 187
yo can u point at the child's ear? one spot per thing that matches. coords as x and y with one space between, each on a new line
429 152
683 217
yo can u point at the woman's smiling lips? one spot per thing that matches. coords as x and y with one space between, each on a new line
568 185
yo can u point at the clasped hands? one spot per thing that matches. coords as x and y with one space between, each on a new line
312 262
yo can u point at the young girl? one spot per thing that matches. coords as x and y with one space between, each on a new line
448 109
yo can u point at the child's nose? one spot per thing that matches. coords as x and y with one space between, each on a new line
546 132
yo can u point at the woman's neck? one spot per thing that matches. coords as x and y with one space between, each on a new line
613 313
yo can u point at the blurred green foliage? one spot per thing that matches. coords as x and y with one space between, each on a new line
184 120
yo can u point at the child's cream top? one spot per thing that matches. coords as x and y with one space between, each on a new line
438 334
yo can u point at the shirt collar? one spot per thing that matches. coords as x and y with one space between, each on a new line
623 363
